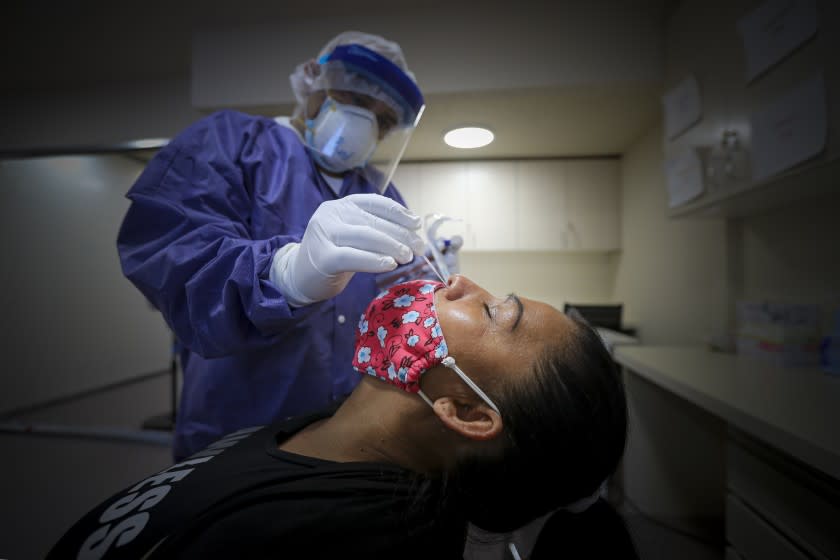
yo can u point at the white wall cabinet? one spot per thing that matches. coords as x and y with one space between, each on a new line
541 213
530 205
593 206
407 179
491 210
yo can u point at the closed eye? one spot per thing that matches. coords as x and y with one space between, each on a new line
487 310
520 309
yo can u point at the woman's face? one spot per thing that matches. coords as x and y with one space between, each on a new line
493 338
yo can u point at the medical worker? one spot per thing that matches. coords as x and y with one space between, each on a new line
259 239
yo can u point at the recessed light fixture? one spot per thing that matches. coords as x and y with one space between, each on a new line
468 137
146 143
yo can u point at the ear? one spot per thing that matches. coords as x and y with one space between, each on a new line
312 68
475 421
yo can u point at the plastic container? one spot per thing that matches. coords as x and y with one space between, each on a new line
782 334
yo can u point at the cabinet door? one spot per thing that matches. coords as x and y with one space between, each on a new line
492 204
753 537
592 188
444 191
408 182
541 205
799 502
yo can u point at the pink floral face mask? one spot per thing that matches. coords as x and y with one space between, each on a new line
399 338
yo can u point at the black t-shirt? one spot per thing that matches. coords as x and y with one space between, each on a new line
243 498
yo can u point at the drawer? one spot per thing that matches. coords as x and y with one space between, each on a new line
801 503
754 538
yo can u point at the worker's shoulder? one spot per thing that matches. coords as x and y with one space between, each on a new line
234 116
226 124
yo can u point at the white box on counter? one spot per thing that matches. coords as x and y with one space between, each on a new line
783 334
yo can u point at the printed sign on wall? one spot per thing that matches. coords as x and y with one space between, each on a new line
774 30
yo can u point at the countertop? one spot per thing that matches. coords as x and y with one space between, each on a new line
796 409
613 338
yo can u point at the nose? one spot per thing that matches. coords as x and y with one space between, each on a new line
459 286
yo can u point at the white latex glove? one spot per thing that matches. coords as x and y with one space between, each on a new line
357 233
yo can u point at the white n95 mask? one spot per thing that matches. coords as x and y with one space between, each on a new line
341 137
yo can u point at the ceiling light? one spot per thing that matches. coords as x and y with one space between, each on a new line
146 143
468 137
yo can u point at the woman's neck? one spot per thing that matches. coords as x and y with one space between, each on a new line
377 423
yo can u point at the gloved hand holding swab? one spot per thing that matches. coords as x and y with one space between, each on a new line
357 233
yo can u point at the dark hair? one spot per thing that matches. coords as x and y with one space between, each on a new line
565 429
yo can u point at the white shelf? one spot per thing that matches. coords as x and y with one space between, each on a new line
809 181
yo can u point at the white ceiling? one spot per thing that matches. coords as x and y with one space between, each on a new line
539 123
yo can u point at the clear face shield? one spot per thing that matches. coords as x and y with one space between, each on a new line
368 111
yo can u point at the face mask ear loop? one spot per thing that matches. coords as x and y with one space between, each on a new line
425 398
449 362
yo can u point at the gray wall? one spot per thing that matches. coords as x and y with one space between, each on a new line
671 274
790 254
71 320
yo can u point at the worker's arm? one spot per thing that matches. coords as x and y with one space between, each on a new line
186 242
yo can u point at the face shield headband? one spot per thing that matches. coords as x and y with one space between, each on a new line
381 72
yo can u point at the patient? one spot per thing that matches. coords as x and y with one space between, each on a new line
517 412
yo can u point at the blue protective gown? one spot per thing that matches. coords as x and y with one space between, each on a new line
206 217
